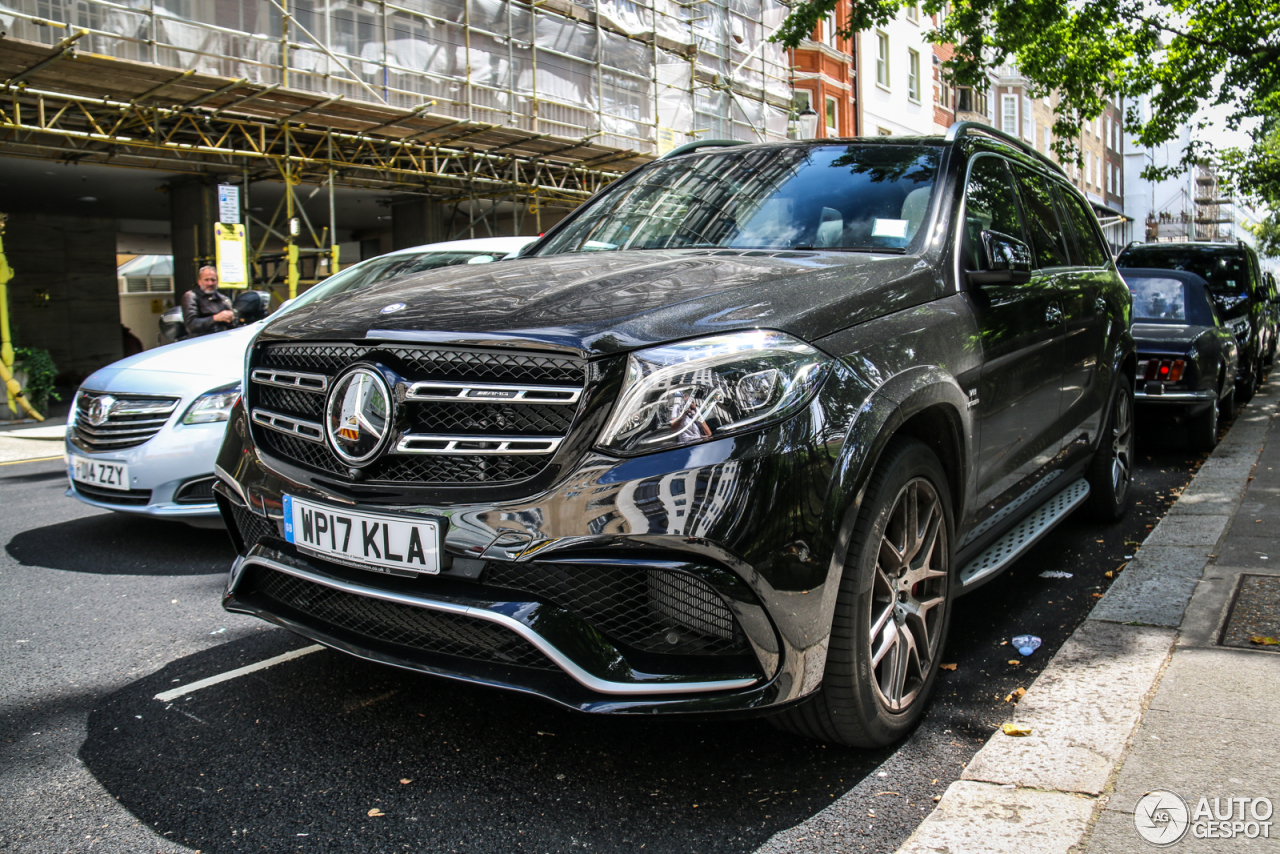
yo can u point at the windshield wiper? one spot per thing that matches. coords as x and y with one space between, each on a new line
877 250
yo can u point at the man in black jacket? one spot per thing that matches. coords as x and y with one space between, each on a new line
205 309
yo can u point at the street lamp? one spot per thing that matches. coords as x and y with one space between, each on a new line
807 123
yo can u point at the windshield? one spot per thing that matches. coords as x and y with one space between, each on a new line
1226 271
393 266
1161 300
866 197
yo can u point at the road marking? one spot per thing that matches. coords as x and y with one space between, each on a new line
174 694
33 460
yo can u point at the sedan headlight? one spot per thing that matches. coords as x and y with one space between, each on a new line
693 391
213 405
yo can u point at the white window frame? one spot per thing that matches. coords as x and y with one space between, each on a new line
913 75
1028 120
882 59
913 13
829 37
831 110
1009 114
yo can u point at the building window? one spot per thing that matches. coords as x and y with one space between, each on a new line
1048 140
971 101
913 12
882 58
829 35
1028 120
913 75
1009 114
1109 139
944 95
833 117
883 132
1090 172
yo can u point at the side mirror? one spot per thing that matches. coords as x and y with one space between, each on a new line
1006 260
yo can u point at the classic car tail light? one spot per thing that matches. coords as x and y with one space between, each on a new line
1165 370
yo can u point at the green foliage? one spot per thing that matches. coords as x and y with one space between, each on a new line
1268 234
41 373
1184 54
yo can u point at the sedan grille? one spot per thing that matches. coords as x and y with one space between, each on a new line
127 420
468 416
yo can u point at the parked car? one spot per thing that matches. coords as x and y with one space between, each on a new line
1235 282
1187 356
730 438
144 431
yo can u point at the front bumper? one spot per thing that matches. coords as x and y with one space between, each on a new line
746 520
159 469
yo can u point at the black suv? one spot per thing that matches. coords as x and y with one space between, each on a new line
732 437
1236 283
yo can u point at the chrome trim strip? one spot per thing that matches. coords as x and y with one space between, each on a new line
1201 395
290 379
494 393
592 683
125 429
491 445
99 444
225 477
288 425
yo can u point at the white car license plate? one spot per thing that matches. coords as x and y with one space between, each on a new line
365 540
99 473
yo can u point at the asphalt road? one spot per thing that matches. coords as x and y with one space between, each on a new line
325 753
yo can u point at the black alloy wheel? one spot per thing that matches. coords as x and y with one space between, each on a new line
893 609
1111 471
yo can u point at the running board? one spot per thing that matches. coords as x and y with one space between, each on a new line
1025 534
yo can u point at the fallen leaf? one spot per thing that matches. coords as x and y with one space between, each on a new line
1008 698
1016 729
1020 693
405 780
1096 595
1109 574
947 666
1262 641
1015 662
375 812
937 798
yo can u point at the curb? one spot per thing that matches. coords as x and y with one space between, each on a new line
1040 794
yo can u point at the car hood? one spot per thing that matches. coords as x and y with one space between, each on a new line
194 365
1166 335
609 302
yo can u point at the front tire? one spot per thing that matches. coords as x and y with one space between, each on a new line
1111 471
893 609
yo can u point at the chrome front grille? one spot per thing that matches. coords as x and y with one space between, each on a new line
465 416
126 420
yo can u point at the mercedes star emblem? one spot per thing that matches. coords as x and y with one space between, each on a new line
358 415
100 409
393 308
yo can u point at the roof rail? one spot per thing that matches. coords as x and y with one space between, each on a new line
700 143
963 129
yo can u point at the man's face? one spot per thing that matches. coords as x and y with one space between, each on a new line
208 281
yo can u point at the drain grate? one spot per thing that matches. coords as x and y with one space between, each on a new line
1255 612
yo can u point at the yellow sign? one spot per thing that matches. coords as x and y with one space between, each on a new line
228 241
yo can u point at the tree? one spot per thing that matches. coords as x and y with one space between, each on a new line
1183 54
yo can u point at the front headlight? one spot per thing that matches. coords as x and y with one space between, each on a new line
213 405
693 391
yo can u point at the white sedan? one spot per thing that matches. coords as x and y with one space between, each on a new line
144 432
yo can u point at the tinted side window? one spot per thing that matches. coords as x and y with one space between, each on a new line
1047 238
1091 251
991 205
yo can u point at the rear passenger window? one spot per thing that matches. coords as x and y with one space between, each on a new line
1091 251
1048 242
990 204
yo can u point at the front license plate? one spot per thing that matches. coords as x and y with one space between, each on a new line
391 544
98 473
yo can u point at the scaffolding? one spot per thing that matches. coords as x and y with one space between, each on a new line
1201 211
642 77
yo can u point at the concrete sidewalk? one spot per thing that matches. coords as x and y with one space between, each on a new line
1160 690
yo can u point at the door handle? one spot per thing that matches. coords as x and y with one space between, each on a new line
1053 315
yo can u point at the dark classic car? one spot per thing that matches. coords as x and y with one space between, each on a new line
1187 357
731 437
1235 282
